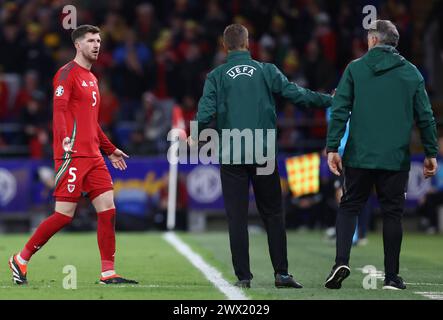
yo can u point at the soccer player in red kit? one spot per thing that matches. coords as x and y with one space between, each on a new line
79 164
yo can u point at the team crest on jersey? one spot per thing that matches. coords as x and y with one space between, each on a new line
91 83
71 188
241 70
59 91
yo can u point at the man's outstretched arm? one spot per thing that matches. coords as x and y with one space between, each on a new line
280 84
105 144
114 154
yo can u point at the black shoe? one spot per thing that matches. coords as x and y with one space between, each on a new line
338 274
244 284
286 281
116 280
394 283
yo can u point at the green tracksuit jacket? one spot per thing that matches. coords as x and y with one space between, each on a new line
382 94
239 95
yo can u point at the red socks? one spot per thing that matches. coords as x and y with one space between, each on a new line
44 232
56 222
106 238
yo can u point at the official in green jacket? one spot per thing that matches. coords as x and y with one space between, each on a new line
381 94
238 96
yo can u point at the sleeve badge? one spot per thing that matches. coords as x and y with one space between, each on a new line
59 91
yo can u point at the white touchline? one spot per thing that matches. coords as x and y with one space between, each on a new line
212 274
431 295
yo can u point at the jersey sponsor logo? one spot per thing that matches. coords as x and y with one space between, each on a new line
59 91
71 188
84 84
241 70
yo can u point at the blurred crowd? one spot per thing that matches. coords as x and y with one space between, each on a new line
155 56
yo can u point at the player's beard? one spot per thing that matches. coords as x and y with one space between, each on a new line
90 56
93 57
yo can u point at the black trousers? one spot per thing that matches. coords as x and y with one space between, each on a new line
235 184
391 190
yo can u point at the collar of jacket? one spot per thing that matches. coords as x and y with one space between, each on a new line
384 47
239 55
383 58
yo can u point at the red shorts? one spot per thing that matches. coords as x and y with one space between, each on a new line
76 175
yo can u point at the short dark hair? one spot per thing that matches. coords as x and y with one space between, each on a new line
235 36
80 31
385 31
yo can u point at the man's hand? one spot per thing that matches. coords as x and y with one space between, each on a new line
118 159
430 167
67 145
334 163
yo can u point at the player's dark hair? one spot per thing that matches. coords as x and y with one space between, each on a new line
80 31
235 37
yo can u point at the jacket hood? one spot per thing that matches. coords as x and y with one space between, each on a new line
383 58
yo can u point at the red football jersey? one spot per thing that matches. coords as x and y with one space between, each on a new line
76 109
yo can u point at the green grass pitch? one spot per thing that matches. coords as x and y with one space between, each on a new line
165 274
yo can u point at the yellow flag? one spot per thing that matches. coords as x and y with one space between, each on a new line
304 174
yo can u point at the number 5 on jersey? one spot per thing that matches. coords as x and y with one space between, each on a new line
72 175
94 97
72 178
